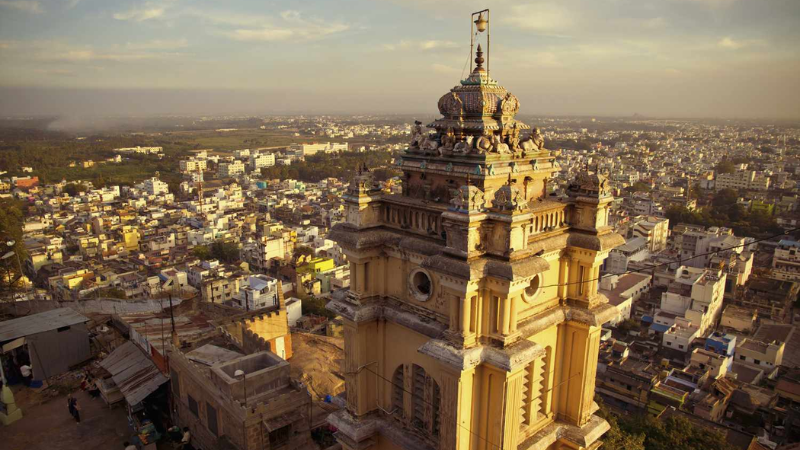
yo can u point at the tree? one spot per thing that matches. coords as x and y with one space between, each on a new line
202 252
225 251
302 250
725 166
74 189
11 218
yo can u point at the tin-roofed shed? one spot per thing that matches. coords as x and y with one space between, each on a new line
56 340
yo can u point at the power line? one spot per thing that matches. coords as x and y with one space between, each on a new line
677 261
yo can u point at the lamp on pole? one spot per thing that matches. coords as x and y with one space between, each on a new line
480 25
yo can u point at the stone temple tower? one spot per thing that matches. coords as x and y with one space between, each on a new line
473 318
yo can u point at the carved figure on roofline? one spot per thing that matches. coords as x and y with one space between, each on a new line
509 105
498 146
417 135
448 141
484 143
463 147
534 142
430 145
512 138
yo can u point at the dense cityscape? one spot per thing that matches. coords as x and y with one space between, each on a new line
483 277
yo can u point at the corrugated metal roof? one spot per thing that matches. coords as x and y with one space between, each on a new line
134 372
39 323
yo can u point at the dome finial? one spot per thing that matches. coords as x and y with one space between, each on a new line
479 59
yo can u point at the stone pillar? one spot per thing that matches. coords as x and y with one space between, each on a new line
454 311
514 306
449 411
466 309
579 347
360 277
511 410
505 321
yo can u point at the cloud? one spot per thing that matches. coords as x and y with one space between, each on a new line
420 45
56 72
158 44
56 51
28 6
288 25
544 17
443 68
729 43
149 11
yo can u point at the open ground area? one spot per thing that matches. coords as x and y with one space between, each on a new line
48 426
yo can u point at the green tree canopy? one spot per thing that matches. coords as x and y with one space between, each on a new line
202 252
225 251
74 189
725 166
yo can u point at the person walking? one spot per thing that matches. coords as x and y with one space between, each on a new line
76 410
71 404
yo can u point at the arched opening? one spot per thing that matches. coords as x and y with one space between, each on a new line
397 392
425 401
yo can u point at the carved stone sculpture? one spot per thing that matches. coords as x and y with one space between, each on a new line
498 146
484 143
448 140
468 198
417 134
509 105
537 138
508 199
463 147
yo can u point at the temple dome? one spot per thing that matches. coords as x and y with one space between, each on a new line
478 104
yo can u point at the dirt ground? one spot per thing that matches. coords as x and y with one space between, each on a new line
317 360
49 426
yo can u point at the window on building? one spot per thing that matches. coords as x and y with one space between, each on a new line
193 405
425 401
397 392
757 361
742 357
680 345
211 415
279 436
669 343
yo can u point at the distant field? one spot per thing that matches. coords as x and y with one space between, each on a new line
225 141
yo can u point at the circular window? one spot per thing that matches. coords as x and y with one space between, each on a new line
533 288
421 285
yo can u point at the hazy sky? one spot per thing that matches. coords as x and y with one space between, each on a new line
687 58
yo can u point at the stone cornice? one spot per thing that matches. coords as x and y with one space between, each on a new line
509 358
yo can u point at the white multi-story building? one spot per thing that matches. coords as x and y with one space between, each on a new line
154 186
192 165
695 295
299 150
139 150
786 261
230 169
261 292
742 180
259 160
241 154
654 229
